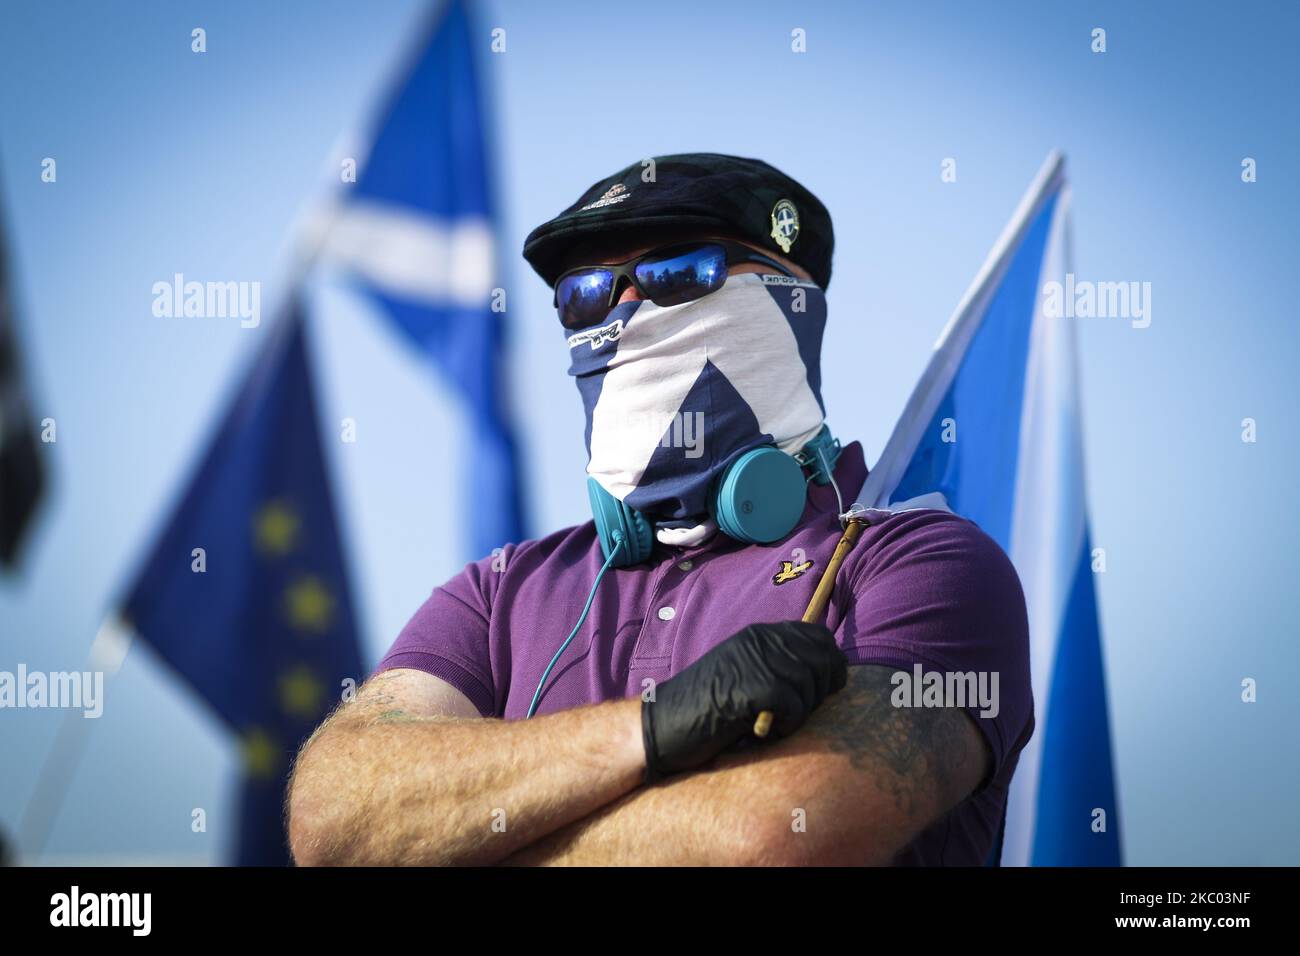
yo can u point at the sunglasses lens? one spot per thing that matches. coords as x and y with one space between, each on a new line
683 276
582 298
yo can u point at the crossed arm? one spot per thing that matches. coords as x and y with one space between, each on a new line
409 773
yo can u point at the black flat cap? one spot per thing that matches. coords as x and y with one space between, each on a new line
726 195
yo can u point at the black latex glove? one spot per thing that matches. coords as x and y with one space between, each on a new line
788 668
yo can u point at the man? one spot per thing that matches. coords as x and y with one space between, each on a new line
592 697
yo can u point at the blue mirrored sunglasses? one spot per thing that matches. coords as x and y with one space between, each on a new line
667 276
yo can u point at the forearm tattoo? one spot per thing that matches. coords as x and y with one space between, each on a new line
914 754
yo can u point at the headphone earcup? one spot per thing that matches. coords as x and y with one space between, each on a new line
760 497
615 522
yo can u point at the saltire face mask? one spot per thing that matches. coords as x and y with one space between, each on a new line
675 393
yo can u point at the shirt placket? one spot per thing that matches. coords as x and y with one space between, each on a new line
657 639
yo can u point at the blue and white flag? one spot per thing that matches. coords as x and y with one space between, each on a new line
994 425
417 231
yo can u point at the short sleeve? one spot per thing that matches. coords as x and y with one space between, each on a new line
448 637
932 589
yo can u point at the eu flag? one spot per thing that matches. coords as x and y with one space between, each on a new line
245 592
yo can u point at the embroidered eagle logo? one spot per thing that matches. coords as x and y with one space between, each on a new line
789 571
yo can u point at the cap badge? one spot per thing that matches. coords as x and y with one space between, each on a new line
785 224
615 193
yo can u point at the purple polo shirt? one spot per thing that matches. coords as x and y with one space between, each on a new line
920 587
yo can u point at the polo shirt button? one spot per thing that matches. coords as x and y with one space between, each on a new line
686 564
667 613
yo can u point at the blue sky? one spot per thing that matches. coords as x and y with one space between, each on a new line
169 161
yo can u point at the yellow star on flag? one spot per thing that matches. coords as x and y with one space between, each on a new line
261 756
301 692
275 528
309 605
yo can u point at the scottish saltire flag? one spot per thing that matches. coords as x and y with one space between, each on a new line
245 593
417 231
994 425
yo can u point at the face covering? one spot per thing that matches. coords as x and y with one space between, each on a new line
675 394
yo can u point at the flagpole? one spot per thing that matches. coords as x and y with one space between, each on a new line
107 652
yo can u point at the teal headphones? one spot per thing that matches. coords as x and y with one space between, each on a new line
758 499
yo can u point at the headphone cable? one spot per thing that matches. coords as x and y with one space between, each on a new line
619 543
